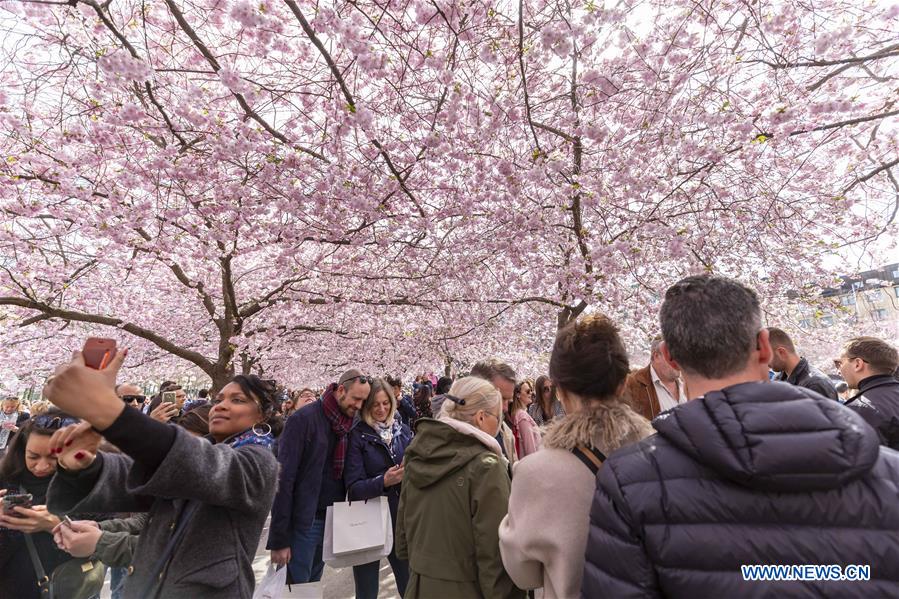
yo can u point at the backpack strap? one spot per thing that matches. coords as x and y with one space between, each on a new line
590 456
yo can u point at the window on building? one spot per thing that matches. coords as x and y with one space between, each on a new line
848 299
896 291
879 314
827 321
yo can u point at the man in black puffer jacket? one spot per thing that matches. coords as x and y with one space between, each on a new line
868 364
748 473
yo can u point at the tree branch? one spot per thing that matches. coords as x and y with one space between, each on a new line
161 342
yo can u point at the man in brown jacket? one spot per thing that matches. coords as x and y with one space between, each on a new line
657 387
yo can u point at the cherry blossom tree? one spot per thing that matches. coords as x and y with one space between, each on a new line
292 187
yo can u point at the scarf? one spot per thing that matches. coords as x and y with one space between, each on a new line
389 431
340 426
250 437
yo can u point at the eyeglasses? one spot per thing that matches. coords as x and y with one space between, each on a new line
491 414
133 398
53 422
365 380
838 362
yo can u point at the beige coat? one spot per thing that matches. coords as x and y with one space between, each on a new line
543 537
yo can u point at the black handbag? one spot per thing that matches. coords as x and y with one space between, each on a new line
78 578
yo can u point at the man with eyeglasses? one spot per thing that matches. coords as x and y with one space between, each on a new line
868 364
311 451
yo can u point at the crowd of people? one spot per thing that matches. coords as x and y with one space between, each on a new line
595 479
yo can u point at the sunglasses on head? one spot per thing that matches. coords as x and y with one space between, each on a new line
365 380
53 422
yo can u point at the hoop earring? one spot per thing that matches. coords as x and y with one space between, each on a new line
266 433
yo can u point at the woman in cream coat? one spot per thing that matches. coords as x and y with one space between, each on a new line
543 537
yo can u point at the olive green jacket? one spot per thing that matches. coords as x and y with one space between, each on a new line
455 493
117 544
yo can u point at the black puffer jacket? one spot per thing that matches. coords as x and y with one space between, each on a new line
758 473
806 375
878 403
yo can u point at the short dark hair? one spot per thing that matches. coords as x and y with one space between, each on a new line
196 420
779 338
393 381
589 358
493 368
880 355
203 393
443 385
710 324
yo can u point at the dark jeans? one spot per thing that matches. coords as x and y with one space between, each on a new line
367 577
306 563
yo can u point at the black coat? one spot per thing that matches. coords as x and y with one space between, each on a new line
757 473
878 403
806 375
18 577
368 458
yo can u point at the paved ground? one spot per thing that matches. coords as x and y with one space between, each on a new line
335 584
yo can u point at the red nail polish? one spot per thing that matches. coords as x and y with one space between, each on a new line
79 455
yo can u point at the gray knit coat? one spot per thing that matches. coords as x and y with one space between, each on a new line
235 487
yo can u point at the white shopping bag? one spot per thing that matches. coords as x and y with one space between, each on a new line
307 590
272 585
357 526
360 557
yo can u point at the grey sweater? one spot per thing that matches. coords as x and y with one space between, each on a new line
235 487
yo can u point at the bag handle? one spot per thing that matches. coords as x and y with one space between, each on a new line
166 556
591 457
42 579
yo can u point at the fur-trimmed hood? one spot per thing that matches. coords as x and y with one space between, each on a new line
606 425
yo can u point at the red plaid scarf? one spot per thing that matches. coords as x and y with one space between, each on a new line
340 425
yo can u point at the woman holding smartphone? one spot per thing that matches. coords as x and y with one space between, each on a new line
207 501
374 467
28 466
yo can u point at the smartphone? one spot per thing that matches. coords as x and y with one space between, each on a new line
16 500
169 396
68 522
98 352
